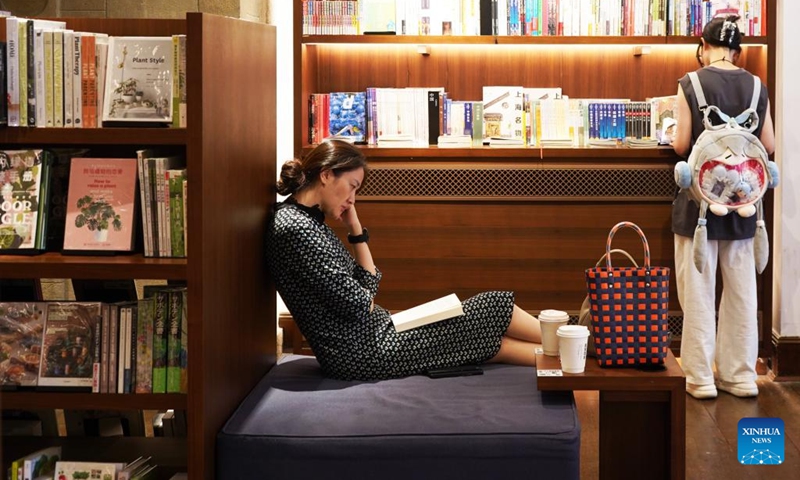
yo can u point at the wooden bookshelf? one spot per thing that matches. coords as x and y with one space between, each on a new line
54 265
230 147
91 136
509 40
530 220
93 401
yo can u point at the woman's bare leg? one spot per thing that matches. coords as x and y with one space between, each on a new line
524 326
516 352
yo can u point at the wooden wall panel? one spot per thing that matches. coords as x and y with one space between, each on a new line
539 250
581 70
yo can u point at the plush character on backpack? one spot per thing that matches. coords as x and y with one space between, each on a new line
728 171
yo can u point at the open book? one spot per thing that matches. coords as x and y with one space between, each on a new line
433 311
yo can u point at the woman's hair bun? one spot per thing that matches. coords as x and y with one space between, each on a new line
292 177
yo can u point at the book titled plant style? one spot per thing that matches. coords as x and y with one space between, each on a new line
68 345
101 205
21 196
139 80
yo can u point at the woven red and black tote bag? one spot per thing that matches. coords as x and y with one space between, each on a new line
629 307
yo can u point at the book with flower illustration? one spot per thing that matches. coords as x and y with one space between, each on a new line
68 344
23 200
139 76
101 205
21 327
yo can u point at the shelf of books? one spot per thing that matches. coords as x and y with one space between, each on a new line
496 71
512 40
109 203
426 154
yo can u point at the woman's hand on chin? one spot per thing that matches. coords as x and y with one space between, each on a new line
349 218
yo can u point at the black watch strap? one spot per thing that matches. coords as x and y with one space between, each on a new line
363 238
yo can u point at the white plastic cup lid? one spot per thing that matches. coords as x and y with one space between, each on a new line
553 316
572 331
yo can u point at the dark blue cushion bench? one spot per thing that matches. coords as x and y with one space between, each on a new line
298 424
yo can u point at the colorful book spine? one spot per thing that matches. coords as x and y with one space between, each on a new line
175 187
30 72
88 81
160 332
12 70
113 348
174 331
67 78
77 80
144 345
49 84
58 78
184 356
22 71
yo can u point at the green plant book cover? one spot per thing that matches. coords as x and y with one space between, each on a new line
101 205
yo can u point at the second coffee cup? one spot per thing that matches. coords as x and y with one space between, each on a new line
550 320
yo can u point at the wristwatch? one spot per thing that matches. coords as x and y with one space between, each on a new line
363 238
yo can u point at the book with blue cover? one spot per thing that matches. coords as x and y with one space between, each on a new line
348 116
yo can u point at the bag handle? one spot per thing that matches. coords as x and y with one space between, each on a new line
641 235
617 250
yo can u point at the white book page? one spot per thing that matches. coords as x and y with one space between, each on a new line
433 311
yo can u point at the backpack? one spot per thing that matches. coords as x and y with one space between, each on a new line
728 171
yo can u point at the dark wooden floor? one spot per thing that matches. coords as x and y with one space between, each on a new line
711 435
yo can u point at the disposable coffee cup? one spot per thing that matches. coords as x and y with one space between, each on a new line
572 343
550 321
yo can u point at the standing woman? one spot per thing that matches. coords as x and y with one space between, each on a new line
329 290
734 347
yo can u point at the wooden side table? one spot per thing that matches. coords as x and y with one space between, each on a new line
642 416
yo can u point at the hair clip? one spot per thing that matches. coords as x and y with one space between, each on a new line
727 26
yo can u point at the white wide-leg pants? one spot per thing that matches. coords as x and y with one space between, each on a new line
734 345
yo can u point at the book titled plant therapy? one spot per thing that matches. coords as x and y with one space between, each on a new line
101 205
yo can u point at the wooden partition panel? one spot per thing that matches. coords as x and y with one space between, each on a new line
231 303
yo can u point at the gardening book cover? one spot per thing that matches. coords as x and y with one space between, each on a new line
430 312
68 345
101 205
21 327
22 174
139 80
87 470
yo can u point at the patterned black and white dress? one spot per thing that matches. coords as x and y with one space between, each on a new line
329 296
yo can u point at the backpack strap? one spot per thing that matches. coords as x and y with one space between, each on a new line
698 91
749 117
